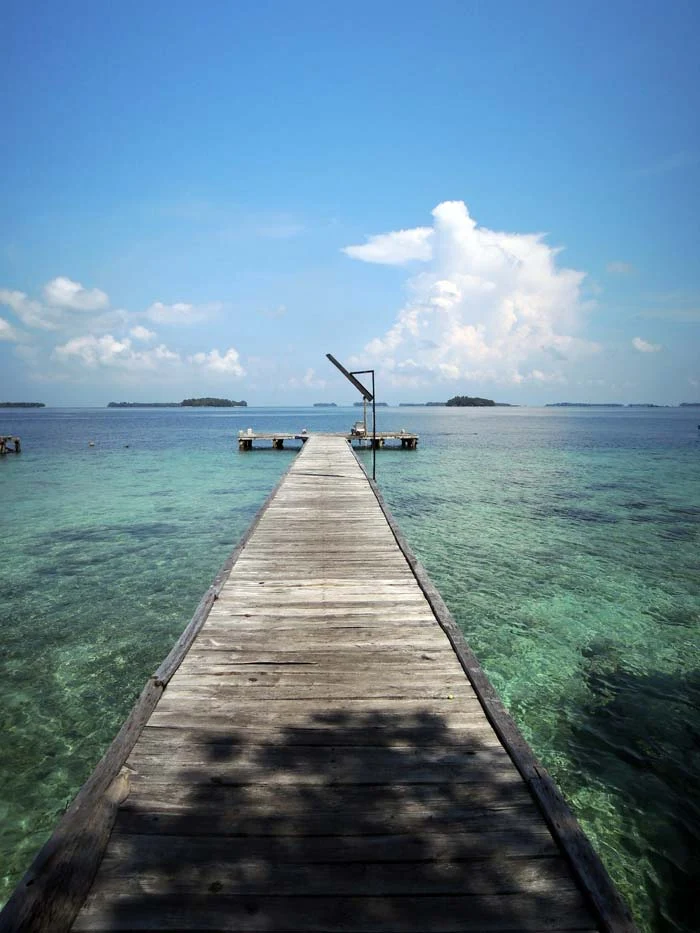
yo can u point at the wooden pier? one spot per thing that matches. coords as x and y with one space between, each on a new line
10 444
408 440
320 752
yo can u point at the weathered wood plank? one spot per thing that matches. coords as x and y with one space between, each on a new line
374 848
133 874
343 658
259 690
317 765
234 640
426 914
344 809
395 716
328 730
210 818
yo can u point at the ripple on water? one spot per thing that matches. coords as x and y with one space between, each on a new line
560 541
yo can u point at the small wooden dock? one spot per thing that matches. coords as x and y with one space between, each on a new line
406 439
10 444
320 752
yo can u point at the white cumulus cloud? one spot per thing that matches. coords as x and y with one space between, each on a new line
30 312
644 346
215 362
396 248
7 331
109 352
489 306
62 292
142 333
180 313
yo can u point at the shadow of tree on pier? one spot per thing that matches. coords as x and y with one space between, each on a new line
348 821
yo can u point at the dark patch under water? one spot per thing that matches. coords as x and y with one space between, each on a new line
641 731
107 533
578 515
678 533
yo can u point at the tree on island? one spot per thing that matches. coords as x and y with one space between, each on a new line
468 401
212 403
186 403
22 405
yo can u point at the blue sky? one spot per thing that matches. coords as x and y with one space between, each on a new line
474 198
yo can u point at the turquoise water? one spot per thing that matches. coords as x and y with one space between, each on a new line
564 542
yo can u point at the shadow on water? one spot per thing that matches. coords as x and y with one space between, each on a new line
643 732
348 821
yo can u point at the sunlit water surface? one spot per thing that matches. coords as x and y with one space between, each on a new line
564 542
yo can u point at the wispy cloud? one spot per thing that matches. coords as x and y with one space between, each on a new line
620 268
181 313
7 331
395 248
308 381
644 346
30 312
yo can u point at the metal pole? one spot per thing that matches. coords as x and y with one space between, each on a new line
365 396
374 433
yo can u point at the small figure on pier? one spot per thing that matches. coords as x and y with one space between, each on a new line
10 444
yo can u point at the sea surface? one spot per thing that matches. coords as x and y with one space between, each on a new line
565 542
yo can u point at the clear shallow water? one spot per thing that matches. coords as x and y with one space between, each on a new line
564 542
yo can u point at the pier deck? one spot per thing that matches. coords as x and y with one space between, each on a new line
409 441
320 760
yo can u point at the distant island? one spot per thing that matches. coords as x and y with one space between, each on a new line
212 403
377 404
473 401
584 405
144 405
689 405
185 403
325 405
459 401
22 405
